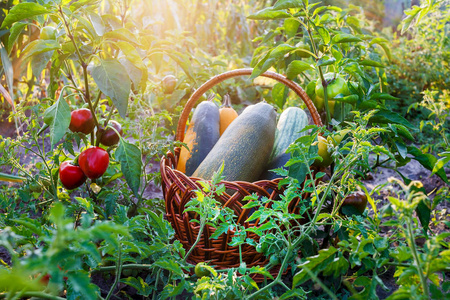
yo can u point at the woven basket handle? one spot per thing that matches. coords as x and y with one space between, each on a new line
235 73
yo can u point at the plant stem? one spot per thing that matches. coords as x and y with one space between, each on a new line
156 283
118 272
202 226
124 267
423 280
319 282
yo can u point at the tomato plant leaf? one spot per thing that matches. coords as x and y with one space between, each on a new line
315 264
57 117
139 284
112 79
269 14
21 11
80 283
169 265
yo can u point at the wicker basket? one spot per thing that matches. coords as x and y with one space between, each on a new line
179 189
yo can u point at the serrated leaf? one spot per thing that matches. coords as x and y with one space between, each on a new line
112 79
139 284
21 11
169 265
130 159
315 264
269 14
80 282
57 117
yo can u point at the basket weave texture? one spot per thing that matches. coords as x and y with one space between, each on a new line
178 190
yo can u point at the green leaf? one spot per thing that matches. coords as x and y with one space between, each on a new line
345 38
383 96
97 23
284 4
408 21
57 117
139 284
112 79
271 58
40 61
315 264
14 33
370 63
294 294
39 46
385 116
80 282
9 73
324 34
291 27
122 34
326 61
134 57
269 14
130 159
297 67
24 10
441 162
427 160
279 94
169 265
